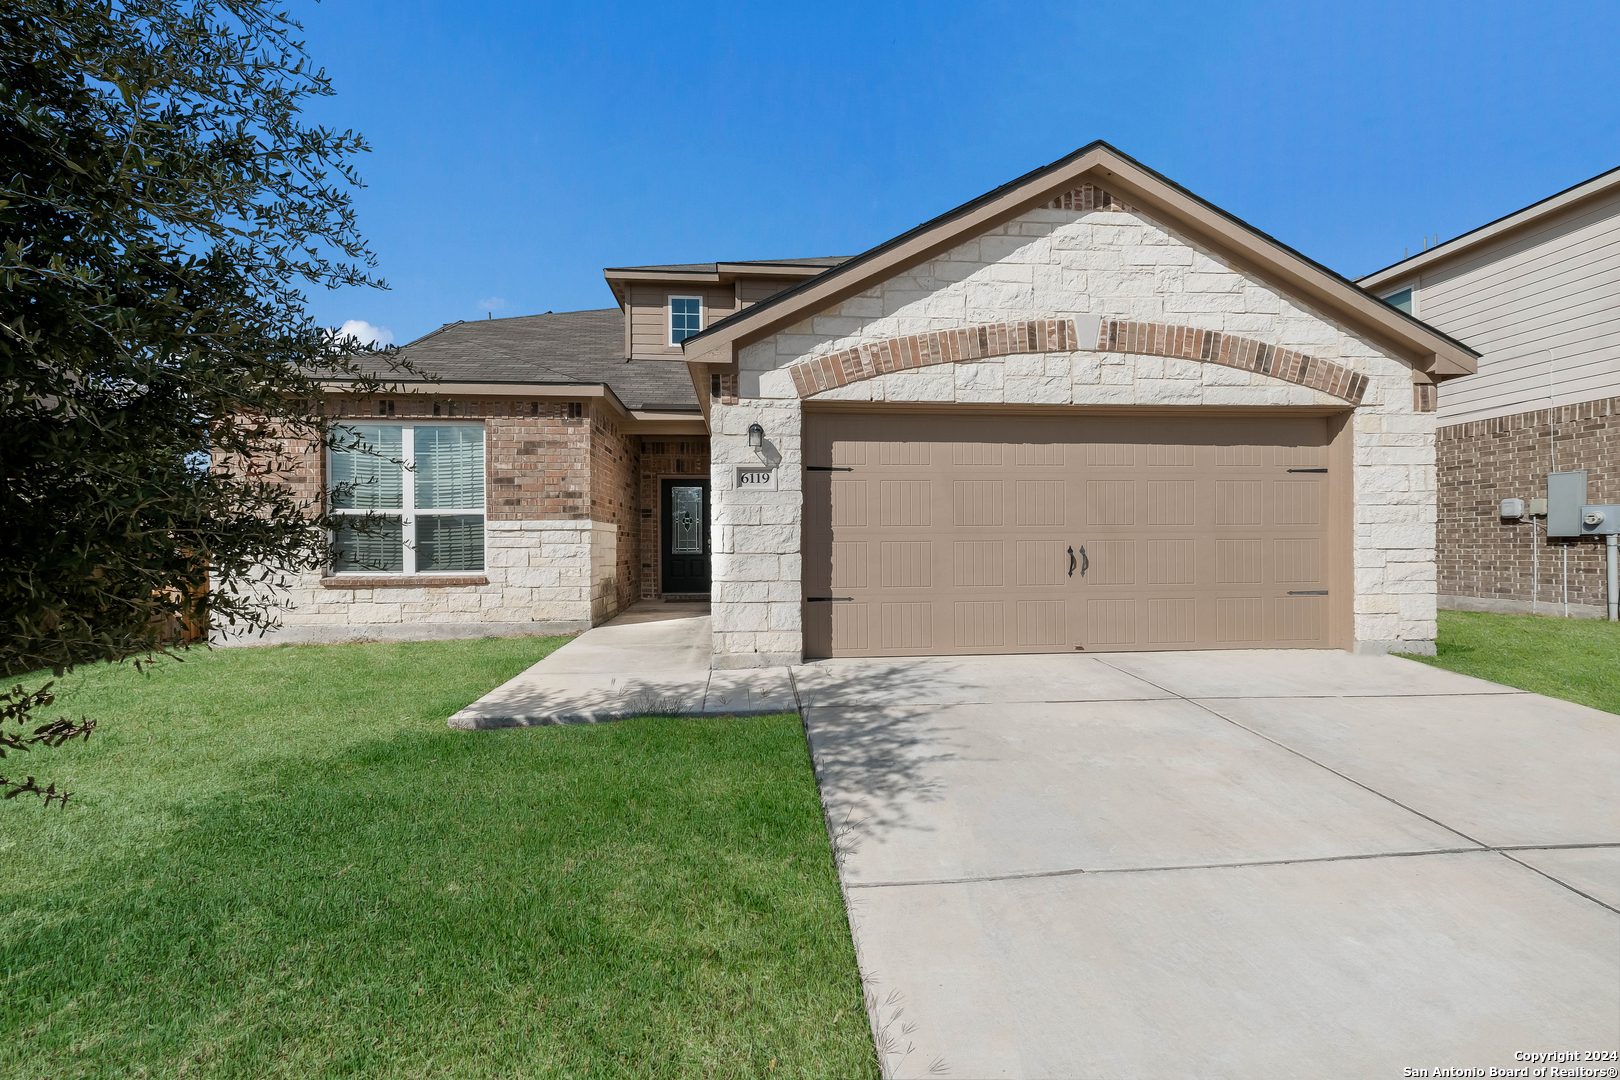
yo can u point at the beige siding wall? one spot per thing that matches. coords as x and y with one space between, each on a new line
753 290
649 315
1543 307
648 321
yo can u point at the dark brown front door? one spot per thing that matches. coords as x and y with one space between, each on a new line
684 512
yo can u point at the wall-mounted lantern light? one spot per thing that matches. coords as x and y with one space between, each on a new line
756 436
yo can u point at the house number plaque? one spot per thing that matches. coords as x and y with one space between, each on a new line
756 478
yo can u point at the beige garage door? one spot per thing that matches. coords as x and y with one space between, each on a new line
936 534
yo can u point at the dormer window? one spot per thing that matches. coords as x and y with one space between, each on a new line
1402 300
685 317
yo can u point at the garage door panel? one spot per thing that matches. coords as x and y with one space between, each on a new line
1040 503
1043 622
1039 455
1110 622
1110 502
850 564
979 625
1172 502
907 627
1041 563
1299 618
932 535
1296 502
848 504
1240 562
1112 562
979 564
906 504
906 564
978 504
851 625
1298 561
1240 620
1171 562
1172 621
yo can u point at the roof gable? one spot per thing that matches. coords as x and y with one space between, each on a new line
1097 177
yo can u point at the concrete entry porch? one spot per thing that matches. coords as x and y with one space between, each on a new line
651 660
1217 864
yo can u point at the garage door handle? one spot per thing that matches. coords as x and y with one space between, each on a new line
1085 563
828 599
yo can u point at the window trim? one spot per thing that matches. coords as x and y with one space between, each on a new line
669 316
408 511
1391 294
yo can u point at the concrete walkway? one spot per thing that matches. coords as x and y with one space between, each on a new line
1222 864
651 660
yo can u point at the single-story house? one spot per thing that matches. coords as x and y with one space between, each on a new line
1537 291
1087 410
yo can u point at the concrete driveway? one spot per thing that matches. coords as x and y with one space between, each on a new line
1244 864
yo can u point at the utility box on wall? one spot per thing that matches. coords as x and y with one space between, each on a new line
1566 494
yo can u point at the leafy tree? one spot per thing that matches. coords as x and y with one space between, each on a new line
162 207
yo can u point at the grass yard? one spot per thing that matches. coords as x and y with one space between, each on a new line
278 862
1574 659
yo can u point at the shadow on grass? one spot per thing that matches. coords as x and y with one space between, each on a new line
652 897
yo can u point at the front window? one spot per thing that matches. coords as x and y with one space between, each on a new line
421 487
685 317
1402 300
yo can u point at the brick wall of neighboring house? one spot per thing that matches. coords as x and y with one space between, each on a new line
1490 564
664 456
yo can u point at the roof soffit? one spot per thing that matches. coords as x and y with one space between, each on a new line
1247 248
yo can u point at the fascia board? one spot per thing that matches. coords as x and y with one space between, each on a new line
769 270
659 423
678 276
1468 241
397 387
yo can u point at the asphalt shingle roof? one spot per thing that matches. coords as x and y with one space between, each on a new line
567 347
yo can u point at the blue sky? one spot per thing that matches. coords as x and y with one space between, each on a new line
518 148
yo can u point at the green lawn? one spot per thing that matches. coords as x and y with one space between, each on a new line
279 862
1574 659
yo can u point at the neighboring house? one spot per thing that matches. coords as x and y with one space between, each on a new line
1085 411
1538 294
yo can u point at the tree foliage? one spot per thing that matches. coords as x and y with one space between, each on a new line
163 207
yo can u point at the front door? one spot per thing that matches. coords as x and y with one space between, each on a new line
684 509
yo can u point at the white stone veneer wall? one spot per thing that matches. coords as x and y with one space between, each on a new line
1065 263
545 577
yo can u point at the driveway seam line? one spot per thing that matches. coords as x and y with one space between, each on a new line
1031 874
1560 881
1307 757
793 684
1449 828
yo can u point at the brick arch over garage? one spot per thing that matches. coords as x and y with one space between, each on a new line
987 340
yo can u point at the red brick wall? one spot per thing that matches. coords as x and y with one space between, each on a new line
539 465
544 464
615 500
663 456
1485 461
